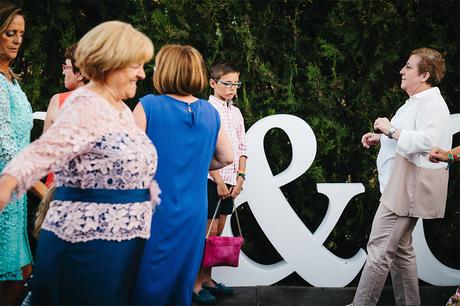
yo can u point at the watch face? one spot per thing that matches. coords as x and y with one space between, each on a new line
391 132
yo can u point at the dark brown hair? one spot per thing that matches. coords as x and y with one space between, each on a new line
222 68
69 53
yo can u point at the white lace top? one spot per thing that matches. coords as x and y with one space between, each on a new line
91 145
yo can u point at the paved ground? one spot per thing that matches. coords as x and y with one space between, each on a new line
306 296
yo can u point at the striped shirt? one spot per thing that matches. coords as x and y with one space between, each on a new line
233 125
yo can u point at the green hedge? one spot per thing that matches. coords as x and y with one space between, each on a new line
334 64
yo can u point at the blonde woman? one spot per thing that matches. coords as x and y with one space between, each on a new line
93 234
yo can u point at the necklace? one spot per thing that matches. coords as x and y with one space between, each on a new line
7 75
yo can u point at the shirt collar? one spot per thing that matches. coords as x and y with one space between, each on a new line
220 102
427 92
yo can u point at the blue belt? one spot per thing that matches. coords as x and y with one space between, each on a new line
112 196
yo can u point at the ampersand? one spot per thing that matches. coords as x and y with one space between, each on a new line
302 250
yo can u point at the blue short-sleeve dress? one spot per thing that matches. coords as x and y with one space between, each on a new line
185 136
15 125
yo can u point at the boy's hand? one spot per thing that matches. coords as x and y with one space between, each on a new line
222 190
236 190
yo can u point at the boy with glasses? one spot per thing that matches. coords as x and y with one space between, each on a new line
224 184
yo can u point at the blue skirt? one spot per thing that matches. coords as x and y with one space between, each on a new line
97 272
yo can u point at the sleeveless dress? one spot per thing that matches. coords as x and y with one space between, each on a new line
61 99
15 125
92 238
185 137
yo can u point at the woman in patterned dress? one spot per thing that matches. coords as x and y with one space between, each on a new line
94 233
15 125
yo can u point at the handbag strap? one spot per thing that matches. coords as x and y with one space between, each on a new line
214 216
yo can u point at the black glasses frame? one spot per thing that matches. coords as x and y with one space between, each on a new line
228 84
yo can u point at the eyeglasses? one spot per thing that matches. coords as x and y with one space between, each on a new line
66 67
228 84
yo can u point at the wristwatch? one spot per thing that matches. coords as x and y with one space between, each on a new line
391 131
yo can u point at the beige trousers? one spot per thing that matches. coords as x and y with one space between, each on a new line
389 249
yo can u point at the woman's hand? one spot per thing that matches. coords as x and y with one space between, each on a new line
370 139
437 155
7 184
382 125
4 199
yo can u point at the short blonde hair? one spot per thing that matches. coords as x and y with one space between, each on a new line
110 46
179 69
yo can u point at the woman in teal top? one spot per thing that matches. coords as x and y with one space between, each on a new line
15 125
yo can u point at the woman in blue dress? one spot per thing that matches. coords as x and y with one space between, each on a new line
187 135
15 125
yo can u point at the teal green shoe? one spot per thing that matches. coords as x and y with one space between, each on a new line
203 298
219 289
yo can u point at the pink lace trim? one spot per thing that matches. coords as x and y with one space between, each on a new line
83 221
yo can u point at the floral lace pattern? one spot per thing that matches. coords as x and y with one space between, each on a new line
15 120
92 146
82 221
15 126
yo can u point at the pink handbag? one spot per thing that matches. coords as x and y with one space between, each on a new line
222 251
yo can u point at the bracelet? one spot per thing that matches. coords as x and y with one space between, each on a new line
456 156
451 160
242 174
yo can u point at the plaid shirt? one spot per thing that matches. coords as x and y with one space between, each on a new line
232 122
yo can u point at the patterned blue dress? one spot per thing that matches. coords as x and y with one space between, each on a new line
15 125
185 137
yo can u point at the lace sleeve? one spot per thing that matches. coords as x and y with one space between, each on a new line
69 136
8 146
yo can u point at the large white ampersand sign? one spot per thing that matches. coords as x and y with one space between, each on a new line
302 251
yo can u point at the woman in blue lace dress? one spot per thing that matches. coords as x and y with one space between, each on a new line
15 125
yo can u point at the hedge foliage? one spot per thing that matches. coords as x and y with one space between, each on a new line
334 64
